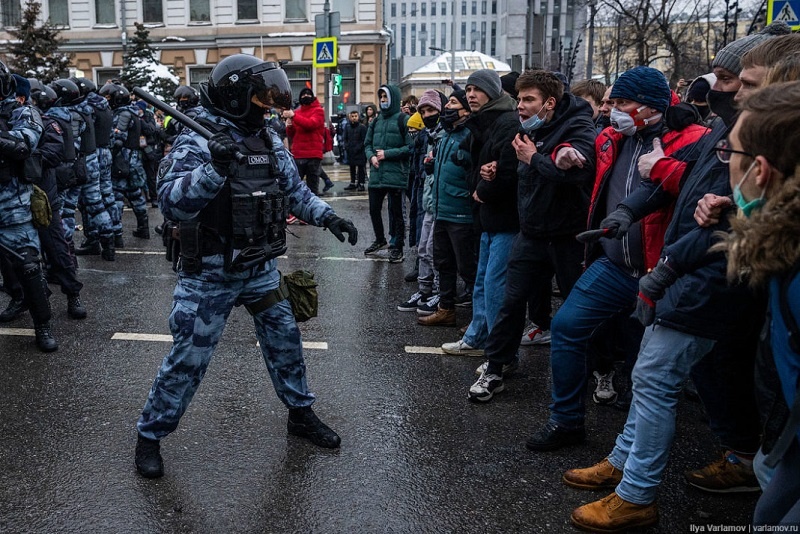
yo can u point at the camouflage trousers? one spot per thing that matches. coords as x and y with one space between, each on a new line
19 237
201 306
107 189
98 221
131 187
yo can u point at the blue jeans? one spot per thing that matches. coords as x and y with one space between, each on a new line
665 360
601 292
490 286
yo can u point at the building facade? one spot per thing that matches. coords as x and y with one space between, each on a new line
191 36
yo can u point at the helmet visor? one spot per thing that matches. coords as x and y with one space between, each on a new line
270 84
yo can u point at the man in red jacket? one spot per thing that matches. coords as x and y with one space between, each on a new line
305 127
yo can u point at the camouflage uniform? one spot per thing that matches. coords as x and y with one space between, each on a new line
130 187
69 197
98 222
104 169
202 302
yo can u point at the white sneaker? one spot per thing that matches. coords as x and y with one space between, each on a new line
604 393
459 348
484 389
535 336
507 368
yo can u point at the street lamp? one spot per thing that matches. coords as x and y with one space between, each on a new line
452 60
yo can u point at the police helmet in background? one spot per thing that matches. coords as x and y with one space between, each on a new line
36 85
7 83
186 97
85 85
68 93
116 95
43 98
236 79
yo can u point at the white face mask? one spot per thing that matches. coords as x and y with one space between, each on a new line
625 124
533 122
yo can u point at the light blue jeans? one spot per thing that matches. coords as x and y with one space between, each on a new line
665 359
490 286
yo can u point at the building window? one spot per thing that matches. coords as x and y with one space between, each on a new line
494 39
413 39
296 10
483 36
413 9
402 39
199 11
247 10
299 78
463 36
103 76
394 9
198 75
433 9
474 7
394 41
433 38
494 7
152 11
104 12
443 39
464 7
346 9
424 7
403 9
59 12
483 7
12 13
444 9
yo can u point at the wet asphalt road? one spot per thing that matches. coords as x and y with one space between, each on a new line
415 456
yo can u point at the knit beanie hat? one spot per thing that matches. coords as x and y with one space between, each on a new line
698 90
645 85
509 82
730 57
430 98
415 121
141 104
487 81
23 86
461 96
306 91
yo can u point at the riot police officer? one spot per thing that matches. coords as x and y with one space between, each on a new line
231 196
20 130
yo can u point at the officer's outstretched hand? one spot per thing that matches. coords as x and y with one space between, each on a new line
339 227
223 152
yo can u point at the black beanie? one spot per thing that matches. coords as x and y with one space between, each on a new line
509 82
461 96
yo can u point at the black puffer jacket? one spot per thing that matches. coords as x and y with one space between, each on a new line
492 130
552 202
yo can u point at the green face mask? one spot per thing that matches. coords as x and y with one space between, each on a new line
746 206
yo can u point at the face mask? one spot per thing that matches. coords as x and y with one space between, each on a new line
384 106
254 120
721 103
533 123
449 118
306 100
746 207
431 121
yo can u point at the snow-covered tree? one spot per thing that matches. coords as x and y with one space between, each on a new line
34 49
142 69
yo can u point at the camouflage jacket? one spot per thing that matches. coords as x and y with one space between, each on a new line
24 124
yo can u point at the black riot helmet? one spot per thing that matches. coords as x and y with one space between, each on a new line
116 95
68 93
85 85
36 85
186 97
7 82
44 98
236 79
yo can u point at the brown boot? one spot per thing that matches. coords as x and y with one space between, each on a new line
602 475
614 514
439 318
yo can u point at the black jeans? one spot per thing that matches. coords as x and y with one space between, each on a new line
397 225
453 254
310 168
358 174
531 265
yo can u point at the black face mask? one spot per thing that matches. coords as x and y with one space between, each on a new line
254 120
680 116
306 100
431 121
449 118
721 103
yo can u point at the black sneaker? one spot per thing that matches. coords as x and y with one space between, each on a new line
75 307
148 460
429 306
303 422
375 247
413 302
361 189
327 187
396 255
351 187
464 301
552 436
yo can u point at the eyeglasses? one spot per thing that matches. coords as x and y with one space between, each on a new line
724 152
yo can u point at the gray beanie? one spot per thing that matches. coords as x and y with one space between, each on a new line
730 57
487 81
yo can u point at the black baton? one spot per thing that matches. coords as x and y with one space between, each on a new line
12 253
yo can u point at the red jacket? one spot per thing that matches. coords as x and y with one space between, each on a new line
667 172
307 130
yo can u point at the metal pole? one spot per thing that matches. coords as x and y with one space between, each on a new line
327 72
124 24
453 46
590 44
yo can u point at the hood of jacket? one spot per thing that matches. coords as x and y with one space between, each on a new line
393 92
569 107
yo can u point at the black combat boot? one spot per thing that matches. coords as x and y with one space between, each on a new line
148 458
118 241
108 249
143 226
75 307
44 338
14 309
90 247
72 254
303 422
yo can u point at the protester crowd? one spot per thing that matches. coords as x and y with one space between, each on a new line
665 222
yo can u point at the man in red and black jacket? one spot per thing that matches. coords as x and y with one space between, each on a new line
305 127
609 285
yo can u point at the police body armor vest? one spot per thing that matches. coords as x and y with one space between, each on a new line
8 166
250 211
88 142
103 123
134 131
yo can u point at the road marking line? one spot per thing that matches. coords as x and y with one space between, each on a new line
133 336
361 197
334 258
17 332
309 345
143 252
410 349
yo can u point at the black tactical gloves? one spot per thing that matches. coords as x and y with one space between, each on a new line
618 222
223 153
652 288
339 227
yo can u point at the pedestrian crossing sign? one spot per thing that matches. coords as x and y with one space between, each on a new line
325 52
786 10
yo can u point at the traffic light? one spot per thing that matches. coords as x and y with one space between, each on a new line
346 97
337 84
